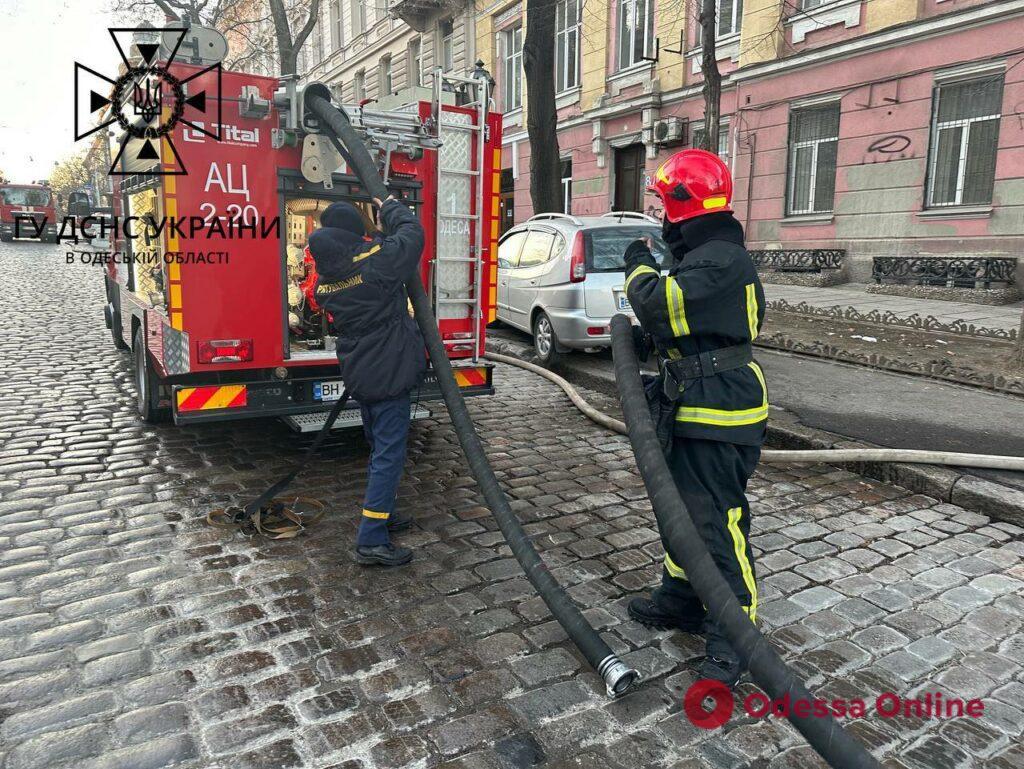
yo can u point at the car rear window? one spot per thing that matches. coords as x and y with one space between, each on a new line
608 247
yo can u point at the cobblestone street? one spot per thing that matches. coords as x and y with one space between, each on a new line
134 636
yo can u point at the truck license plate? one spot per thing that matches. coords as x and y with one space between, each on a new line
328 391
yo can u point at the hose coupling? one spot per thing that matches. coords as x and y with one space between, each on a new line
618 677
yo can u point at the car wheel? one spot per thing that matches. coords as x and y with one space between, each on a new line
6 238
545 343
147 384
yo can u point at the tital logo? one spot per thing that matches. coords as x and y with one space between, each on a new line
145 100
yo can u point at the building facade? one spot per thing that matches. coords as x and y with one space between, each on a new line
883 127
367 50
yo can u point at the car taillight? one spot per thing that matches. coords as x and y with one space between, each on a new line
225 351
578 266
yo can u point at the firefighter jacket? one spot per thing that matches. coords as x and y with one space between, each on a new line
711 299
360 284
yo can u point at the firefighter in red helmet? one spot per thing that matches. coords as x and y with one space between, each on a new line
702 318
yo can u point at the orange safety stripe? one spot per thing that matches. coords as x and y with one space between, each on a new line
211 397
471 377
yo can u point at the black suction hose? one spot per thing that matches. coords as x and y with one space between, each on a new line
769 671
618 676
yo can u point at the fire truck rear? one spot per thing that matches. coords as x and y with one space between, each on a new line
27 211
217 311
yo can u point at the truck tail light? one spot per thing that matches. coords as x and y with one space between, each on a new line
578 266
225 351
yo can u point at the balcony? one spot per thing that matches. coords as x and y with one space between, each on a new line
421 14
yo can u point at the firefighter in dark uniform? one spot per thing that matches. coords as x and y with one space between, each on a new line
702 318
360 285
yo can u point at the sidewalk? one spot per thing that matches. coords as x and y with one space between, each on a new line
856 296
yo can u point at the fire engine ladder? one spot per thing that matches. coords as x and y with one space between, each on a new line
458 262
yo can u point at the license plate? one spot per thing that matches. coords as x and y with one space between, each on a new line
328 391
623 302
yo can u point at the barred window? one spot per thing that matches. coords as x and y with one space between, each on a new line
813 143
636 31
567 44
512 67
964 141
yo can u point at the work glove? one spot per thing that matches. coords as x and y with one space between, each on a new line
637 253
643 343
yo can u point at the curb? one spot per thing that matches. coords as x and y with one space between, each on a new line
998 501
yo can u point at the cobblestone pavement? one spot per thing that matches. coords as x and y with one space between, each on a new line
133 636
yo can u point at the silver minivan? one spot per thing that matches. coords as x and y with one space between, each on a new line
560 277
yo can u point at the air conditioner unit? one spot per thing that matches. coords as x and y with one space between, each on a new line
671 130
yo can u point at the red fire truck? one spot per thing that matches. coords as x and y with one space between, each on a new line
219 320
27 211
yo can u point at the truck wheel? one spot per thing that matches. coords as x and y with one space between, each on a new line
545 343
113 319
147 384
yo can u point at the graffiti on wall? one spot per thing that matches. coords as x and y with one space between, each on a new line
890 147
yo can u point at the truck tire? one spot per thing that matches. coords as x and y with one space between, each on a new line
147 384
113 321
545 342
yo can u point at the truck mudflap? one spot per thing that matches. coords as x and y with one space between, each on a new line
198 403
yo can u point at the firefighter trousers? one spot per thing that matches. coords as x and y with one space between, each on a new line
386 426
712 479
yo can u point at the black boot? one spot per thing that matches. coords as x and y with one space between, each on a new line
383 555
659 615
722 663
399 522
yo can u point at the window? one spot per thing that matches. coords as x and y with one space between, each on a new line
964 140
358 9
337 38
567 185
729 16
813 141
415 62
512 67
537 248
567 45
447 32
318 41
723 139
384 82
607 246
509 248
636 31
359 85
809 4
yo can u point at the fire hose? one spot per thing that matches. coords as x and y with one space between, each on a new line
785 456
618 676
823 734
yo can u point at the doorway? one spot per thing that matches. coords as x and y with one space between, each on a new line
629 177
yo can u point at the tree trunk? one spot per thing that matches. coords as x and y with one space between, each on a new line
712 88
287 47
541 114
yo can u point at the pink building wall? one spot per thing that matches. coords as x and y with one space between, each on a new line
879 197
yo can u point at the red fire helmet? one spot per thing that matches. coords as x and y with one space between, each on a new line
693 183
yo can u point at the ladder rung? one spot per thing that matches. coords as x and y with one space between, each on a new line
459 171
447 259
460 126
469 217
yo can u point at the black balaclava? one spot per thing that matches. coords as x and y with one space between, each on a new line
682 237
343 216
